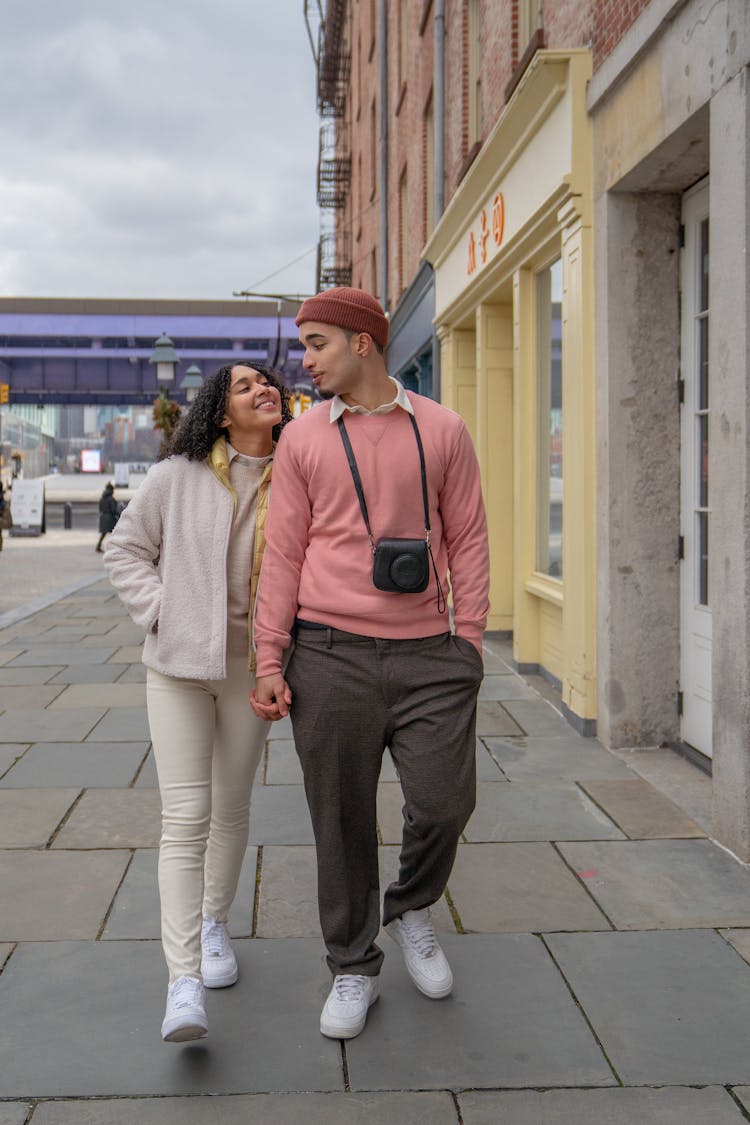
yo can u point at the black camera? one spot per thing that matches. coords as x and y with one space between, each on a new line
401 565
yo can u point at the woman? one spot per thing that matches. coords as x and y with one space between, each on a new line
108 513
185 559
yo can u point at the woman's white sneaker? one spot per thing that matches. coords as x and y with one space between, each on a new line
185 1017
345 1011
426 963
218 962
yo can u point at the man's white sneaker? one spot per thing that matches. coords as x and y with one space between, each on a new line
218 962
185 1017
426 963
345 1011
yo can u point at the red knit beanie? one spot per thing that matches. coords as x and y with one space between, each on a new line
348 308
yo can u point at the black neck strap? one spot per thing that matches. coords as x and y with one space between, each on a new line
358 482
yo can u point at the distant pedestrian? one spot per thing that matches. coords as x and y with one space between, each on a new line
185 559
6 521
108 513
377 497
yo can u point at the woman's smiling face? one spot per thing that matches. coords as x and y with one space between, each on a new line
253 404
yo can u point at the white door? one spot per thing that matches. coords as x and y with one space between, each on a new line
695 576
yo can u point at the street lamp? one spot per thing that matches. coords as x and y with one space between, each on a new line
192 381
165 358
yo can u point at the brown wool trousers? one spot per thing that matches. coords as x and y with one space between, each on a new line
352 697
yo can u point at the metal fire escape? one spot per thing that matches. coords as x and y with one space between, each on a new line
332 54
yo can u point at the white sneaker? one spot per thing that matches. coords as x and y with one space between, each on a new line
218 962
426 963
345 1011
185 1017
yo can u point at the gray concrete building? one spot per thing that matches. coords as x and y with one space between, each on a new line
670 108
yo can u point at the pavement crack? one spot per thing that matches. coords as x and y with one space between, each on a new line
110 908
256 897
345 1067
64 820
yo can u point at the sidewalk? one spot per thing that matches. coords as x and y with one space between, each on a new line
597 935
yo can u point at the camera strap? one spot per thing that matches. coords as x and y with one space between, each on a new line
363 503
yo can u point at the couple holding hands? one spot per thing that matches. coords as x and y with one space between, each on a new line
375 501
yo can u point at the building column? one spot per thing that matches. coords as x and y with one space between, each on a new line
494 443
458 374
579 470
638 467
729 476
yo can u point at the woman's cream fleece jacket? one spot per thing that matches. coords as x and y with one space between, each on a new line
167 561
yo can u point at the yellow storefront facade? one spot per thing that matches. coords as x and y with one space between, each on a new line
514 286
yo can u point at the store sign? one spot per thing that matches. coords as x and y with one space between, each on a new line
478 250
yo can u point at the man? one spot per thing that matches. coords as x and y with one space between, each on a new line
374 667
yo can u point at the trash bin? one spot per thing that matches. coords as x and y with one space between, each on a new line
67 514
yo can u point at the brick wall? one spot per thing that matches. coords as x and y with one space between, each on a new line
612 20
598 24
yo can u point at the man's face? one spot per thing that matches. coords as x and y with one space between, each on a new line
330 358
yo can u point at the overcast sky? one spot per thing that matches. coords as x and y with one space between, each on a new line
156 148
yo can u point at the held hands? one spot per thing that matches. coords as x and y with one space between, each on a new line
271 698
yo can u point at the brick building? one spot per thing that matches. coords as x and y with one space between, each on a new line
528 186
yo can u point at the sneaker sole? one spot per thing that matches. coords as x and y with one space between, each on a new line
184 1033
218 980
336 1031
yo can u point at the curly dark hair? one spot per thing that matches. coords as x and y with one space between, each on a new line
201 425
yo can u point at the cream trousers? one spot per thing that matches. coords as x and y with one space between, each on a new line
207 744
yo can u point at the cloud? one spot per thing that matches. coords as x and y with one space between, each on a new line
156 149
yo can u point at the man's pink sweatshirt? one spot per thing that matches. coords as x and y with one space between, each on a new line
318 562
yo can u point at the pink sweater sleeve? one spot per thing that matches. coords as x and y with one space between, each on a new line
465 533
286 530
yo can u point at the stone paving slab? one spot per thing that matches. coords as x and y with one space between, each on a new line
256 1109
14 1113
528 811
647 884
494 721
494 665
282 728
44 725
670 1008
282 763
288 903
642 812
86 1022
106 695
61 654
136 913
487 767
511 1021
9 677
279 815
740 939
743 1093
83 764
505 687
133 674
86 674
127 654
519 888
558 758
121 724
537 718
9 754
56 896
28 817
113 818
147 778
670 1106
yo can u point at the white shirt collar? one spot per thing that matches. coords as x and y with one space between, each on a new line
338 406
